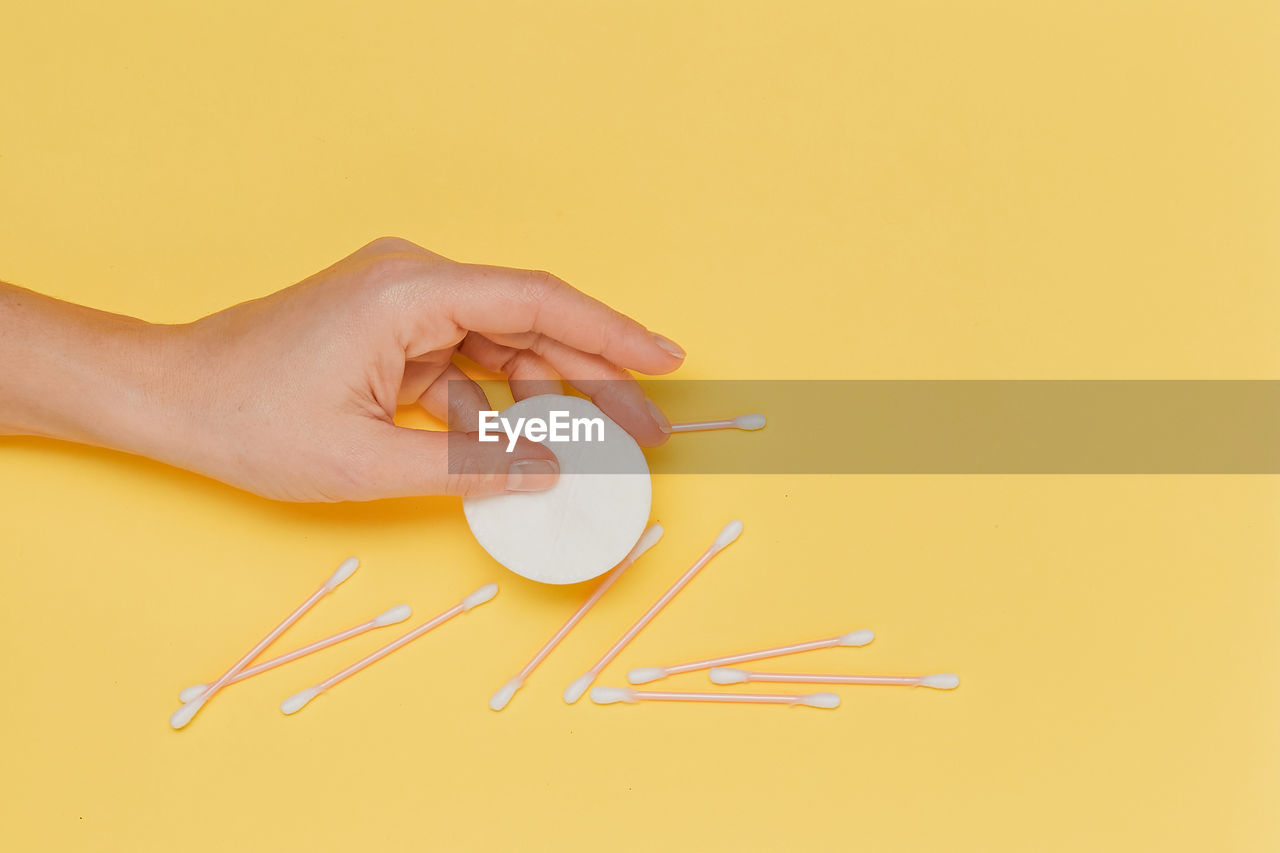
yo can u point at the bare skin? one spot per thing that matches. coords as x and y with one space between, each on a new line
292 396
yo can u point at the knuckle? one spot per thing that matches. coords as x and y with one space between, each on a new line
514 361
458 484
386 273
387 257
467 473
542 284
390 245
464 485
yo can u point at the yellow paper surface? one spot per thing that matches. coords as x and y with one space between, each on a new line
814 190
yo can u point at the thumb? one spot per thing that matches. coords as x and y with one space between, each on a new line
415 462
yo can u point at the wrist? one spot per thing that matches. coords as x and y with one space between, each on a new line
87 376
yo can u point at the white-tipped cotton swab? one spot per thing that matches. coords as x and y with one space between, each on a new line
184 715
399 613
645 674
648 539
609 695
938 680
724 538
295 703
748 422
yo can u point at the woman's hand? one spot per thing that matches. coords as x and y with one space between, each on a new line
292 396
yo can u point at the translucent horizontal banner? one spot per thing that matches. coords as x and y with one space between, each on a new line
962 426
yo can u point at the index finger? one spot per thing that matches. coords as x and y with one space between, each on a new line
501 300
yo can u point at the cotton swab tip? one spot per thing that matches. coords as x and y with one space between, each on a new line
647 540
727 535
399 613
183 715
189 693
754 421
499 700
346 570
645 674
857 638
574 691
295 703
728 675
941 681
609 695
821 700
480 596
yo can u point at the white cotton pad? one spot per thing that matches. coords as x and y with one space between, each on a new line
589 520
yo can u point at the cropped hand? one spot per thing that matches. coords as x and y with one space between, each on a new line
292 396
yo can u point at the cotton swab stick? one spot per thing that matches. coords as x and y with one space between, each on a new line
399 613
748 422
938 680
609 695
724 538
645 674
648 539
184 715
295 703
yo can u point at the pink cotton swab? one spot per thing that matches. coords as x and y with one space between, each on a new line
295 703
648 539
399 613
724 538
187 712
645 674
609 695
938 680
747 422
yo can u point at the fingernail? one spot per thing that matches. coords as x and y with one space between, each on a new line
668 345
532 475
663 423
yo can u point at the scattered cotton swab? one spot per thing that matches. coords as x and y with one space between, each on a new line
938 680
399 613
648 539
184 715
645 674
724 538
294 703
748 422
609 695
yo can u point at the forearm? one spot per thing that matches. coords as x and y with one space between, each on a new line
83 375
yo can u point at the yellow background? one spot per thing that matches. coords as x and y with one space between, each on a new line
841 190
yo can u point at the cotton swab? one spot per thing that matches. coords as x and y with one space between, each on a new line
645 674
648 539
938 680
295 703
748 422
399 613
609 695
184 715
724 538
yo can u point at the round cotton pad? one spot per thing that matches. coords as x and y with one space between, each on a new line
587 522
